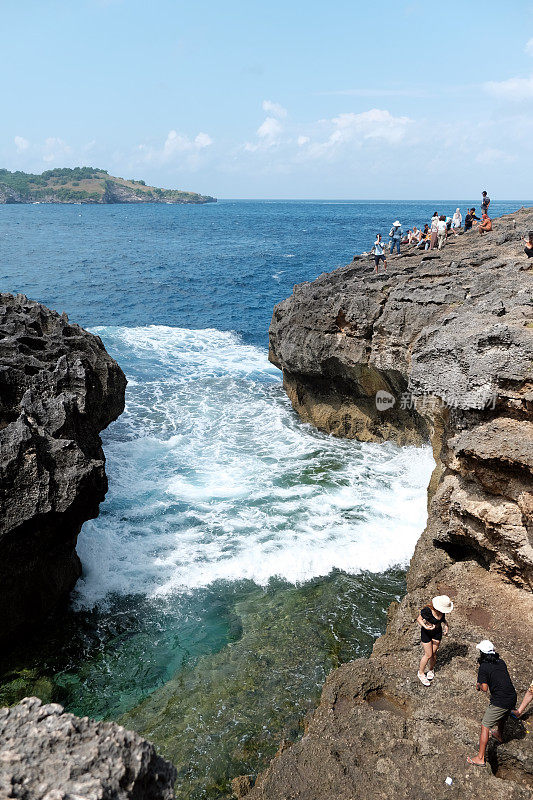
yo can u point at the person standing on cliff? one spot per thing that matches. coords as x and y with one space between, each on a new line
432 621
442 231
379 253
485 203
395 234
434 231
493 676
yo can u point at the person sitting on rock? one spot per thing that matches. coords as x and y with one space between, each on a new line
526 700
432 621
528 249
493 676
457 221
414 237
486 223
424 237
470 218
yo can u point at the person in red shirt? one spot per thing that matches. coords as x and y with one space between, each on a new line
485 224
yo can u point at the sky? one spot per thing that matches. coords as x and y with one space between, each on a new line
285 99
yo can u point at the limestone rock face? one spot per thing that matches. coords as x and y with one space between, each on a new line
449 336
58 389
46 754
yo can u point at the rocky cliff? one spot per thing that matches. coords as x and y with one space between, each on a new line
58 389
439 347
46 754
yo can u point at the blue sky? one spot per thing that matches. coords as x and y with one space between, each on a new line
285 99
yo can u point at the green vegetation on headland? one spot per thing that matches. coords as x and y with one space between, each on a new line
86 185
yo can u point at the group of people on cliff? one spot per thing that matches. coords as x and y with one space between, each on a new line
493 675
434 233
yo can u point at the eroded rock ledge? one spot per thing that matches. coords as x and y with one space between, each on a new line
46 754
454 331
58 389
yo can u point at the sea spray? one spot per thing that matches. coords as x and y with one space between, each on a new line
212 477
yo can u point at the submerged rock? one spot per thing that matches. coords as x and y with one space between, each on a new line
50 755
448 338
58 389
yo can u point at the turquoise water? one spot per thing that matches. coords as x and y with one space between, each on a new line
240 554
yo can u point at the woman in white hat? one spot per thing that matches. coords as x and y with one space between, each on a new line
432 621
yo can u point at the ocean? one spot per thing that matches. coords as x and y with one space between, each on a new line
240 554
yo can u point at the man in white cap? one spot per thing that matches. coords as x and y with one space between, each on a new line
493 675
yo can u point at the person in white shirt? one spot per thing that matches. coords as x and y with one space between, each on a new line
442 231
457 221
379 253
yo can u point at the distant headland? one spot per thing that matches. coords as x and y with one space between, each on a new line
86 185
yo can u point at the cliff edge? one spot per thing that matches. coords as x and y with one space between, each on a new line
441 348
46 754
58 389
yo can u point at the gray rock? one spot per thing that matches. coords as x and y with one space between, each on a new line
58 389
46 754
455 333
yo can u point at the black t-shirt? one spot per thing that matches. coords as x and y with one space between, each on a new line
496 676
428 616
468 221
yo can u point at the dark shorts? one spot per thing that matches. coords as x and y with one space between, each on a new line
528 251
493 715
429 636
377 259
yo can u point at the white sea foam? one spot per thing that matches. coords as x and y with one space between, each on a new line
212 477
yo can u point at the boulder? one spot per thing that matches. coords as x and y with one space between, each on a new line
46 754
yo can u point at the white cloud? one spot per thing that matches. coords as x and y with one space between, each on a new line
269 136
270 129
21 144
492 155
275 109
176 143
349 131
175 147
203 140
328 138
511 89
55 149
529 47
373 124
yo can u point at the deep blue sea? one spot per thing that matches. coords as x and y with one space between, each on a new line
239 554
